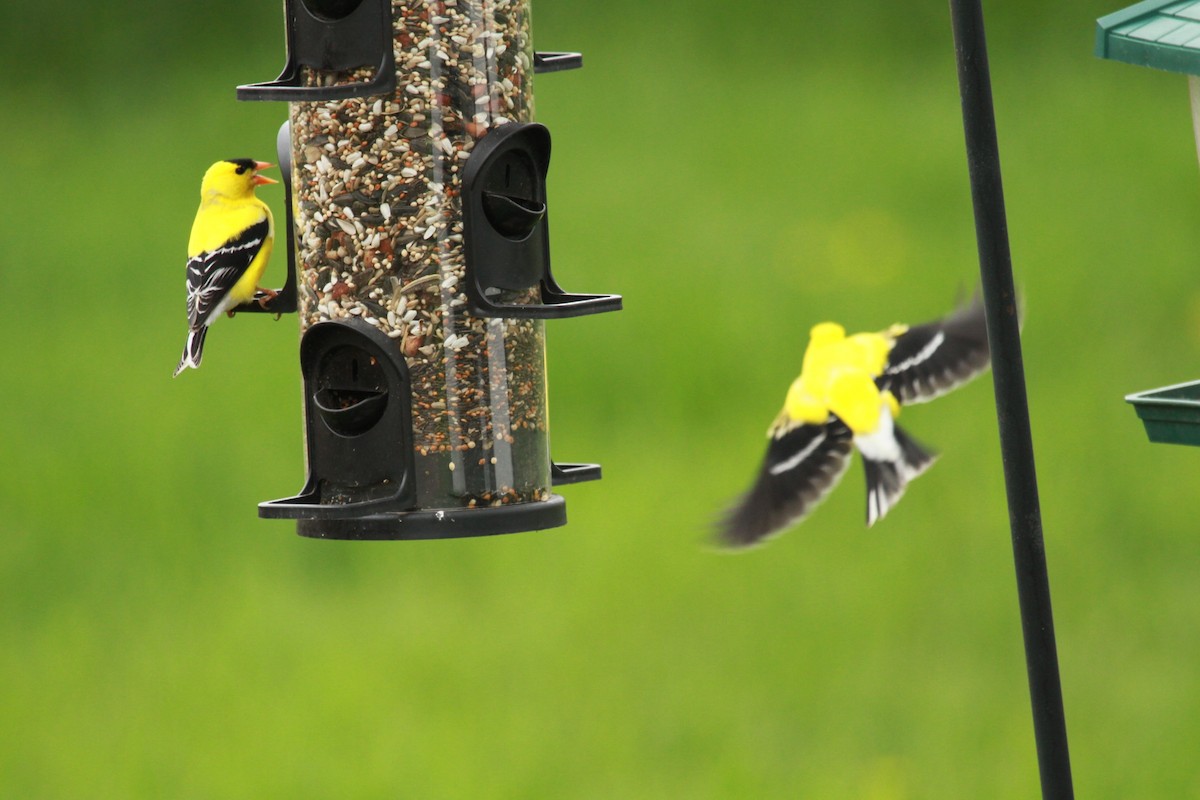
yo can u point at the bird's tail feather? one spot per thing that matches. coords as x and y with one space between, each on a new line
887 479
193 350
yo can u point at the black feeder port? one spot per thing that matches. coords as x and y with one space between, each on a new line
507 232
333 36
362 481
419 253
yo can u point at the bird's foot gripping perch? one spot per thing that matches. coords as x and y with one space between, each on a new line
264 298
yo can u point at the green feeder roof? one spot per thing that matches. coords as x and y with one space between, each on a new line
1156 33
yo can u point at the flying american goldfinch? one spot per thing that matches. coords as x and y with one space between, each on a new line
229 248
850 391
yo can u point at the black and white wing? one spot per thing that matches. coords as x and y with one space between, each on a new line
802 465
212 273
929 360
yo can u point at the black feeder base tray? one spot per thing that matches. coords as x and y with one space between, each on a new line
443 523
1171 414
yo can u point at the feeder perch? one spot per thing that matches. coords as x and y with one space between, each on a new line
284 301
1163 35
418 244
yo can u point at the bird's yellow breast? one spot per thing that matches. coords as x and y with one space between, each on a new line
219 219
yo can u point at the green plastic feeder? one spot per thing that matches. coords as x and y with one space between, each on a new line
1171 414
1163 35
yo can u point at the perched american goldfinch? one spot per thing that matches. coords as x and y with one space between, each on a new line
850 391
229 248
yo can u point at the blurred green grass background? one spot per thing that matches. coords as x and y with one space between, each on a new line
738 172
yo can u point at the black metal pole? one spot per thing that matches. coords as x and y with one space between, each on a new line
1012 409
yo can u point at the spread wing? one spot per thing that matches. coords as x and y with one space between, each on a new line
802 465
212 273
929 360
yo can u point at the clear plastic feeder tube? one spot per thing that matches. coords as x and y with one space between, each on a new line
379 233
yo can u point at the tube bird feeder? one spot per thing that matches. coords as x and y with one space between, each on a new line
419 238
1164 35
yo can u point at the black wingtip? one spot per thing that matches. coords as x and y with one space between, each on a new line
800 468
969 320
747 522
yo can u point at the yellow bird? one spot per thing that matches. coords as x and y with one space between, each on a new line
849 392
228 250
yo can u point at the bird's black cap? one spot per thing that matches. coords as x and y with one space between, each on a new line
243 164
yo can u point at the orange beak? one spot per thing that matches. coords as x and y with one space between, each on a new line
260 180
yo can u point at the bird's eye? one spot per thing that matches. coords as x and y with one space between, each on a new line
241 170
